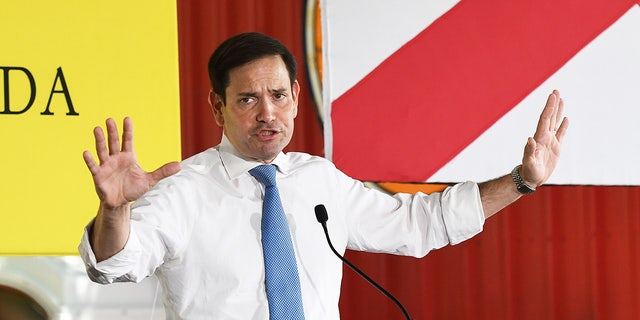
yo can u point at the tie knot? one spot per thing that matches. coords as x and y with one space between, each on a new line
265 173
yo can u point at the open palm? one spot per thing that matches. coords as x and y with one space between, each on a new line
118 178
542 152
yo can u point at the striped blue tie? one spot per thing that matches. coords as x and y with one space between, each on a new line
281 272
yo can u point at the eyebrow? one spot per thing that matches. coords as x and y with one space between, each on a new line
254 93
283 90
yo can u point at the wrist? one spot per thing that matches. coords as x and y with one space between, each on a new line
110 215
522 186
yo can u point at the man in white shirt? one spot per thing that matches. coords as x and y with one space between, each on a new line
196 224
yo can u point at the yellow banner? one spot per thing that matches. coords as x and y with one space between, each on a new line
65 66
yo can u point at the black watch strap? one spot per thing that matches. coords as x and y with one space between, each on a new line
523 188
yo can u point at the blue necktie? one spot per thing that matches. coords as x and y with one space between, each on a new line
281 272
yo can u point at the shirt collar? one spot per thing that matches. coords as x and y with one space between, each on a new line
237 165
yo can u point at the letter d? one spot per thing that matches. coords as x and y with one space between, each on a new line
32 84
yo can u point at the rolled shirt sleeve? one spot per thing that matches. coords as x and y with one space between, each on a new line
410 224
462 212
120 267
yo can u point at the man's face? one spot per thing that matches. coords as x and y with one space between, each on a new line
257 117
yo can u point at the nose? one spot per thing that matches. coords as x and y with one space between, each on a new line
266 111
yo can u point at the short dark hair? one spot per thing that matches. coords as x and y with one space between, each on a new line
241 49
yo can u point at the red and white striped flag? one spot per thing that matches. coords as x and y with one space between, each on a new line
446 91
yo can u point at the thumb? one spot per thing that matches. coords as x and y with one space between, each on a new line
166 170
529 150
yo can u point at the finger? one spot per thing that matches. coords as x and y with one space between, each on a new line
545 123
101 144
112 137
562 130
529 151
559 118
127 134
554 114
166 170
91 163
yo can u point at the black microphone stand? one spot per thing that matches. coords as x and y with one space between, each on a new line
322 216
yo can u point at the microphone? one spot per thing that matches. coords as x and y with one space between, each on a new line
322 216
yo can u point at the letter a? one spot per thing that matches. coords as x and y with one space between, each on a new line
65 90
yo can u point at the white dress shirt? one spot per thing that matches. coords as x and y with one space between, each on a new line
199 231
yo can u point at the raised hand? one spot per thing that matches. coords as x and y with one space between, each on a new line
118 178
540 158
543 150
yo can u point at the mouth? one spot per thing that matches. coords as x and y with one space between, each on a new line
267 134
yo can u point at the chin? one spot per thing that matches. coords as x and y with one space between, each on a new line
261 156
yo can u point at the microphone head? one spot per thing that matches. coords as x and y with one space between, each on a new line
321 213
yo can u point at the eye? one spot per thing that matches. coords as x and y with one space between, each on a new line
247 100
279 95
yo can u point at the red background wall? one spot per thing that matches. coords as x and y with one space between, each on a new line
566 252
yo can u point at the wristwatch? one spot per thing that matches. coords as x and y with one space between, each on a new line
523 188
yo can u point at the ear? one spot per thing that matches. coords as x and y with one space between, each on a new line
295 91
216 106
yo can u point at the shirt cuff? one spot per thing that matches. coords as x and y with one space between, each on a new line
462 211
117 267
